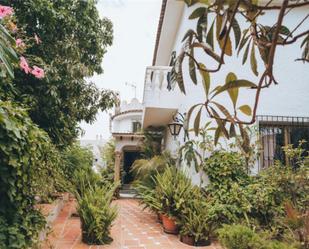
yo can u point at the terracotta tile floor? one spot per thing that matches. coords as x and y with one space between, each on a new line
133 229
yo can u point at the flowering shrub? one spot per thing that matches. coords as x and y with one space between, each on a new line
11 49
24 159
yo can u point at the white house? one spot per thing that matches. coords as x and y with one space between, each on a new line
125 126
283 110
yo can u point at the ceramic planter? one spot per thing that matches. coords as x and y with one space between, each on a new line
169 225
203 243
187 239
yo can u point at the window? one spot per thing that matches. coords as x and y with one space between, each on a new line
136 126
278 131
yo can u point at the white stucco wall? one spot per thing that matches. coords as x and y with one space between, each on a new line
125 115
289 98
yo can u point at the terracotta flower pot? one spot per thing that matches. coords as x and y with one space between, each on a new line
169 225
187 239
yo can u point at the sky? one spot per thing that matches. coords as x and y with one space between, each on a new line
135 26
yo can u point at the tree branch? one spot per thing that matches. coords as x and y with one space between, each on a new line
296 5
267 73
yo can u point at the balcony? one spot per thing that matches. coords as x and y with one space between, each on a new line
160 104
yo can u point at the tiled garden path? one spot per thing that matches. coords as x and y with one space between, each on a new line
133 229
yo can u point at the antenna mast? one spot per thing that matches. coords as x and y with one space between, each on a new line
133 86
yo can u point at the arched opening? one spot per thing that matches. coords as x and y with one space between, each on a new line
130 154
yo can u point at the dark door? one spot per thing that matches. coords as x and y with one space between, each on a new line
129 158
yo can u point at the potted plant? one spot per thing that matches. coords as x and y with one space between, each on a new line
196 223
174 188
96 213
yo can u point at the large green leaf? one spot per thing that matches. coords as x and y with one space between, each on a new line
243 41
220 123
253 60
197 13
179 73
244 59
191 111
197 122
246 110
218 133
221 40
233 92
235 84
210 36
223 110
232 131
206 79
192 69
201 26
237 32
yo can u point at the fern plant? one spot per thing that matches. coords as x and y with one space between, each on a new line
96 213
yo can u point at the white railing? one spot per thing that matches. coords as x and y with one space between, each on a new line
155 83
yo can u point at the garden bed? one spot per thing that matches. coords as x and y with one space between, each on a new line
51 212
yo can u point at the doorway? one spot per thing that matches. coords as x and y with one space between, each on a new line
128 160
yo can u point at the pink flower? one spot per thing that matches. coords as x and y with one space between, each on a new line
24 65
38 72
20 43
37 39
5 11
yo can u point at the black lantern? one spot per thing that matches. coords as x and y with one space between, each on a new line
176 125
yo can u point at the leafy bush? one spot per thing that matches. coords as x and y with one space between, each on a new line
49 177
242 237
228 177
108 155
238 237
21 156
96 212
224 168
76 158
270 190
145 169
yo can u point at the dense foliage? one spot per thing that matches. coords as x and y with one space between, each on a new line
21 157
72 41
108 156
76 158
242 237
68 40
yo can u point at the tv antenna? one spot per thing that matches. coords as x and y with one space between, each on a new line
133 86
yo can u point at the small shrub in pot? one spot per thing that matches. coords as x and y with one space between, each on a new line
96 213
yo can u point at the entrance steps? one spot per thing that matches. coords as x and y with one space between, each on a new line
127 192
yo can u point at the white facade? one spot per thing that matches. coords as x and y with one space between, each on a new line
289 98
125 115
125 126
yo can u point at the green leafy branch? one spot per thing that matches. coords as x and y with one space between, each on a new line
209 36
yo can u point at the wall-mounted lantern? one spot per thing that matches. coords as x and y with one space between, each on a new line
176 125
